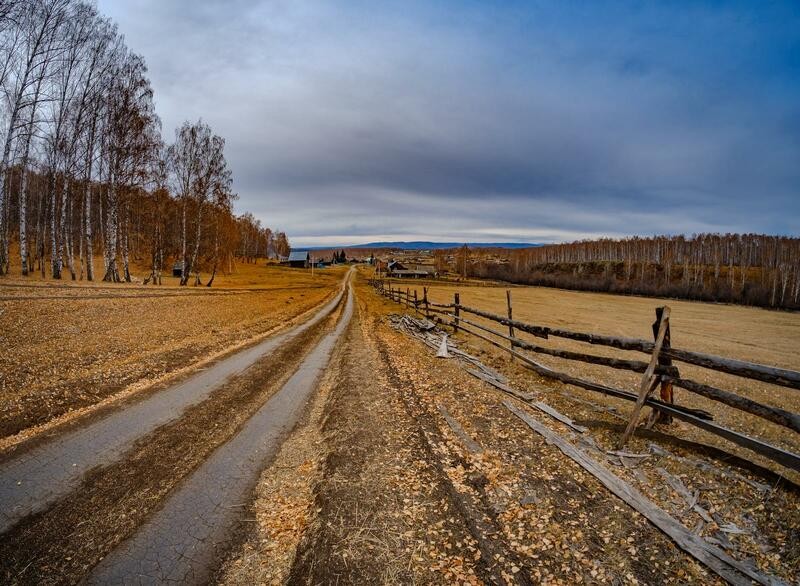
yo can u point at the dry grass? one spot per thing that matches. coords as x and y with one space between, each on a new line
758 335
70 345
558 518
59 546
558 522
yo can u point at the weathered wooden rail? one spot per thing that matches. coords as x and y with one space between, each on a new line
659 372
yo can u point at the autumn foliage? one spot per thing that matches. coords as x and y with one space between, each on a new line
751 269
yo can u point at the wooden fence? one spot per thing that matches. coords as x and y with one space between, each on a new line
657 372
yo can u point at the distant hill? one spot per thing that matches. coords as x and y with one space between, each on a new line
423 245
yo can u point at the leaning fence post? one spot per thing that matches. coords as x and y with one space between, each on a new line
649 382
456 307
425 301
408 296
666 383
510 317
416 307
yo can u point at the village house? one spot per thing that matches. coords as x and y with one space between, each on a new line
418 271
299 259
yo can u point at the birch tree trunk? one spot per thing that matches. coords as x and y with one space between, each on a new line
3 194
23 221
112 227
184 271
55 260
66 227
87 211
196 250
126 230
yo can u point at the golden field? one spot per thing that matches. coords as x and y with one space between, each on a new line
744 333
72 344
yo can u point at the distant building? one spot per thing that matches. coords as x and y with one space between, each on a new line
177 269
410 274
400 271
298 259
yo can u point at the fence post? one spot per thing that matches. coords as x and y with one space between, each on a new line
416 307
408 296
456 303
425 301
666 384
649 379
510 317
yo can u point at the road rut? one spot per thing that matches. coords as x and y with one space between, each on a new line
186 539
35 478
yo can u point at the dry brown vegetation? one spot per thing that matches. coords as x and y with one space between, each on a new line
374 486
73 345
744 333
558 518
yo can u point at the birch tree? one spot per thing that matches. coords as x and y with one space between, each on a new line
34 43
131 128
199 169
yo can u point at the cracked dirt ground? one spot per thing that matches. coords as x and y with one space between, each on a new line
371 486
33 479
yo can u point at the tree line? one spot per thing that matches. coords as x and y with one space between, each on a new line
751 269
84 170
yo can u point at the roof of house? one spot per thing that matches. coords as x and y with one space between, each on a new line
409 273
298 255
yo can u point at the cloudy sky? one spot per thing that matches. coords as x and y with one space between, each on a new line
355 121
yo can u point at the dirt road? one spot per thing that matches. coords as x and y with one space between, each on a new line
34 478
384 490
130 461
350 454
194 528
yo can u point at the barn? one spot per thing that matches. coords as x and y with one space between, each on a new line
298 259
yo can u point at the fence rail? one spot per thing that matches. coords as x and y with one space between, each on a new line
659 371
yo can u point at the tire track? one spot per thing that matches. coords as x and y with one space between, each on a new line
35 478
60 544
188 537
472 505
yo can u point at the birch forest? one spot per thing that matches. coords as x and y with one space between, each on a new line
751 269
88 188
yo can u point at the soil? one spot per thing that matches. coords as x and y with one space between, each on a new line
744 333
71 346
376 486
61 544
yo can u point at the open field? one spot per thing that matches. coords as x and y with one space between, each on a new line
69 345
751 334
401 468
730 482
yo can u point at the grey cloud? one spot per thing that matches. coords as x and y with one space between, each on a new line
360 119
